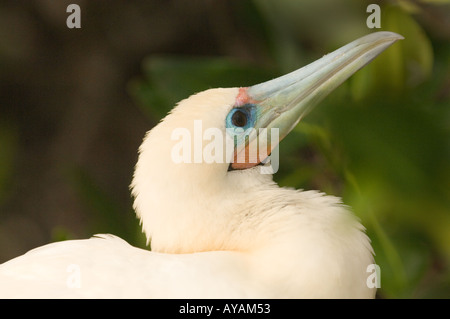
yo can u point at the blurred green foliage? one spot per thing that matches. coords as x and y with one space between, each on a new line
170 79
106 215
381 141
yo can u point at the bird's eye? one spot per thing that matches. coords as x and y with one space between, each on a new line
239 118
242 117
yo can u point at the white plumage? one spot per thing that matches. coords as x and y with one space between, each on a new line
216 232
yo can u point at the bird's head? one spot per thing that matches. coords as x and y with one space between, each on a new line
200 168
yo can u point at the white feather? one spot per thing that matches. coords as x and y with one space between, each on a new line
214 234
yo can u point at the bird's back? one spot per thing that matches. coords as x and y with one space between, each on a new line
108 267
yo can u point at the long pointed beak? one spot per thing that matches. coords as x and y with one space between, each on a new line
282 102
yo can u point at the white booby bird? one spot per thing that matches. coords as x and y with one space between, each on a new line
220 229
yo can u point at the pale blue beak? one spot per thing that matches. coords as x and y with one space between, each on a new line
282 102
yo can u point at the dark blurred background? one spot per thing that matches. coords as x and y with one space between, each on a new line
76 103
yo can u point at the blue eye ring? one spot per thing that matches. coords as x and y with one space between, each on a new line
241 117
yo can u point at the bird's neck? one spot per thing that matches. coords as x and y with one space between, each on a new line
287 236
